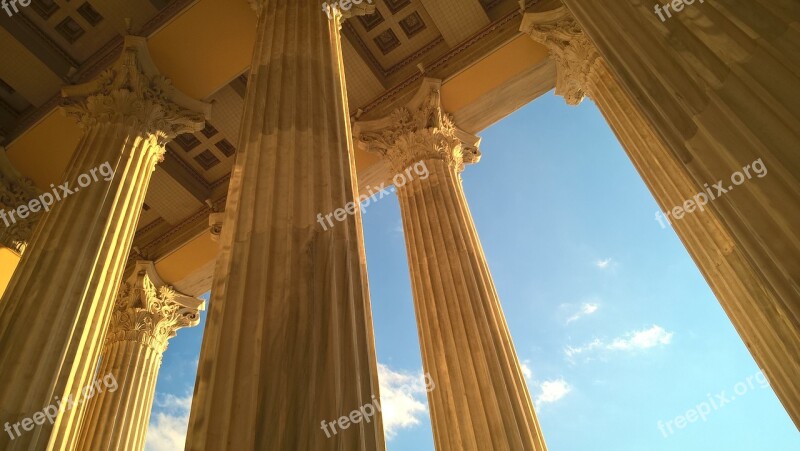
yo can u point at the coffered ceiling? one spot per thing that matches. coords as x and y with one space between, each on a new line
489 70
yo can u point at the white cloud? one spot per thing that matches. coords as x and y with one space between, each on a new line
594 344
526 369
402 399
632 341
642 339
403 404
552 391
603 264
168 425
586 309
548 391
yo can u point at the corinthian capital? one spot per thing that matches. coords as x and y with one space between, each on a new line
149 312
551 24
419 131
15 190
133 92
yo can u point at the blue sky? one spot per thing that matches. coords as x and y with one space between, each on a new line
615 326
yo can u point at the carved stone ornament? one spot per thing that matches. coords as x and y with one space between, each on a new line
215 223
150 312
134 93
575 55
417 133
15 190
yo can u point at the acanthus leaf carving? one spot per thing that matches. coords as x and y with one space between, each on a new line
425 133
15 190
576 57
148 314
127 93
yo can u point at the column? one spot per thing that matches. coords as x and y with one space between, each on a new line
481 401
746 297
289 346
55 312
146 315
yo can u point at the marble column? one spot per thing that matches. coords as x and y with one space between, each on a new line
55 312
747 298
289 341
146 315
481 401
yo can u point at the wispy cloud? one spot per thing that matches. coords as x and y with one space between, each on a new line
403 405
586 309
547 391
603 264
591 346
642 339
551 391
168 425
526 369
402 399
632 341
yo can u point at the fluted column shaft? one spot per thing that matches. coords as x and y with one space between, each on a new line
119 420
289 340
147 313
683 129
481 401
55 312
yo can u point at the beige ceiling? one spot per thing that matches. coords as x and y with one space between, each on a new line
474 46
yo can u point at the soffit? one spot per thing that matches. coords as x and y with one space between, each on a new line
205 50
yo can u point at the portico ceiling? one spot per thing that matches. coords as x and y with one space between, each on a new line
488 70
